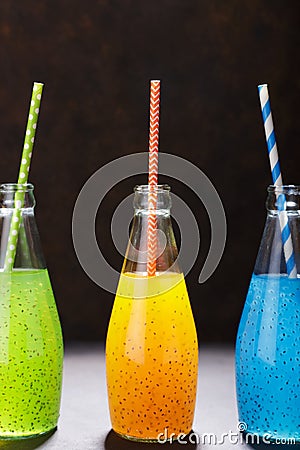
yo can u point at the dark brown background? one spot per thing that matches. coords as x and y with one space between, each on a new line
96 59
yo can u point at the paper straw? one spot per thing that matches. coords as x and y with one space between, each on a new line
153 174
23 175
277 180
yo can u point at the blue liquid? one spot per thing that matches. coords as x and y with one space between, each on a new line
268 358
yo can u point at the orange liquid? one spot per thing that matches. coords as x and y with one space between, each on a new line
151 357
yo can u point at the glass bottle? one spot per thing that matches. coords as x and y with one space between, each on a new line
268 340
31 347
151 347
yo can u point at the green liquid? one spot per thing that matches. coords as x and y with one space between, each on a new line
31 354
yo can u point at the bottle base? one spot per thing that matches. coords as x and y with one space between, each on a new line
137 439
162 438
15 437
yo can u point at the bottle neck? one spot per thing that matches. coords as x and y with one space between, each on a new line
156 204
18 228
280 244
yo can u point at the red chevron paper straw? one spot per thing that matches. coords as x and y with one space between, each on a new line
153 173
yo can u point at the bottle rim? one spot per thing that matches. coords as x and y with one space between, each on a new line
144 188
284 189
16 187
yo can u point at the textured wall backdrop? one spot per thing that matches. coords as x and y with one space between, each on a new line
96 59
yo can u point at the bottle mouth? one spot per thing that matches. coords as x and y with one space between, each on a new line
285 197
143 188
16 187
288 189
143 194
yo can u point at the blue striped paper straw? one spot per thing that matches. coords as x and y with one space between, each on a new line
277 180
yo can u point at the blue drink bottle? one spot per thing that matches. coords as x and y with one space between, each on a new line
268 340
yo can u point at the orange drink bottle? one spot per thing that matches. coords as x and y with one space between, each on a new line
151 347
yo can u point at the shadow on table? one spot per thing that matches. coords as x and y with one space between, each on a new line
264 446
115 442
25 444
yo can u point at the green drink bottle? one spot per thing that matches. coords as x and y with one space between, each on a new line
31 347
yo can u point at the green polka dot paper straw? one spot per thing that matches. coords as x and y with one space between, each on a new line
23 175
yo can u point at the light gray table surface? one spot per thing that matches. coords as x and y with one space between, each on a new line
84 422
